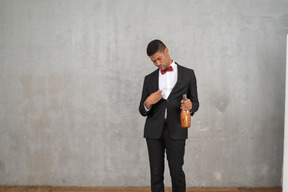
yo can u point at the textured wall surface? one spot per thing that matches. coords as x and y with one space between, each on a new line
71 75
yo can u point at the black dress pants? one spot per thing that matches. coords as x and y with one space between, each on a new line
175 150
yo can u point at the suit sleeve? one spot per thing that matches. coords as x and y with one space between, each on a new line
145 94
193 94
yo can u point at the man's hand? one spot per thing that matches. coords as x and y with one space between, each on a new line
186 105
153 98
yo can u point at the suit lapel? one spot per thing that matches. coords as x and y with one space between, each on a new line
155 80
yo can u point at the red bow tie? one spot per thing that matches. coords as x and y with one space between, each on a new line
170 68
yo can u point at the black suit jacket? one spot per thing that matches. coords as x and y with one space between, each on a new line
186 84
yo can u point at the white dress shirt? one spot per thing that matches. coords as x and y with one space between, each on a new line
168 80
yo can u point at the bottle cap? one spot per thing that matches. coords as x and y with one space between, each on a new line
184 96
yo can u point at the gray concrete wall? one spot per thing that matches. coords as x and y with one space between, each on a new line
71 75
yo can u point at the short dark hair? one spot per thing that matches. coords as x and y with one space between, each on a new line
155 46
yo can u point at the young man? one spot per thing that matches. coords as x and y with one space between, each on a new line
162 101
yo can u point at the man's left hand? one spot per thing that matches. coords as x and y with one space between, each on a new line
186 105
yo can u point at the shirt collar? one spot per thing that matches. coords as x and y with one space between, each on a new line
173 64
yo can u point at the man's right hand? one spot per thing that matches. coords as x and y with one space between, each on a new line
153 98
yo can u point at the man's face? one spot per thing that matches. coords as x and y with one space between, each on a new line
161 59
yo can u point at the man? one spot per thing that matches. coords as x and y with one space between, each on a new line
162 101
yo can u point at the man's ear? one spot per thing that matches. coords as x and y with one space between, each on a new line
166 50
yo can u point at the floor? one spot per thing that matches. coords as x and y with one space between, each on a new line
128 189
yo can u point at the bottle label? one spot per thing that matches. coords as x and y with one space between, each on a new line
185 118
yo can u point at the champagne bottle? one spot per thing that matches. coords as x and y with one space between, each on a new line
185 116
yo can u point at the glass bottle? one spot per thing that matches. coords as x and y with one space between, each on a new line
185 116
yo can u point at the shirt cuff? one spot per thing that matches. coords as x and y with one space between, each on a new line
146 108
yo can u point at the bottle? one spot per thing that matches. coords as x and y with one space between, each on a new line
185 116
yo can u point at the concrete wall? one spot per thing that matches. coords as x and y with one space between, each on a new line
285 151
71 75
